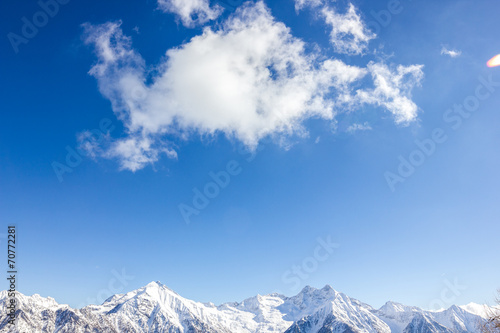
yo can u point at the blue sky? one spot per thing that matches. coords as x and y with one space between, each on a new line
315 173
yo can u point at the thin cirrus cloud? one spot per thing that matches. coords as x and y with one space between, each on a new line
450 52
358 127
191 12
301 4
248 79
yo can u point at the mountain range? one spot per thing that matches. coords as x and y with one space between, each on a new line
156 308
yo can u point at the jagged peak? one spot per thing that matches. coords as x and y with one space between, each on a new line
327 288
36 298
159 287
451 309
251 302
277 295
393 309
308 290
155 284
391 305
155 291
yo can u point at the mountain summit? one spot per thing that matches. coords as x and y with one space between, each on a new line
156 308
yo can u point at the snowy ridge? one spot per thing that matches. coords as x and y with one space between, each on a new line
478 309
156 308
401 318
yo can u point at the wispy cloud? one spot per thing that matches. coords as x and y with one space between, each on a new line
248 79
349 35
358 127
301 4
450 52
191 12
393 87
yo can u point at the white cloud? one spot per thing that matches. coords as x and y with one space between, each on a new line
393 90
248 80
301 4
89 144
135 152
349 34
451 53
359 127
191 12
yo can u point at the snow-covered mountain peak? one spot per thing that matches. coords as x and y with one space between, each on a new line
48 302
392 309
155 292
314 296
157 286
455 308
156 308
481 310
327 289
